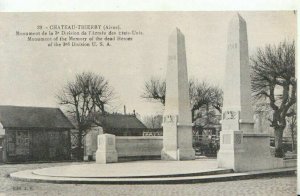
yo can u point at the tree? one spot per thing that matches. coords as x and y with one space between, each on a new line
153 121
217 98
205 95
87 94
201 94
273 80
292 121
155 89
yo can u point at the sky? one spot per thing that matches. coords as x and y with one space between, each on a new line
33 73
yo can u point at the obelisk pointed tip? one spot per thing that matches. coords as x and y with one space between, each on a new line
176 31
237 18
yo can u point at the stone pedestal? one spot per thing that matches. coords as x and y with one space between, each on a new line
177 120
173 147
232 148
244 152
257 152
106 152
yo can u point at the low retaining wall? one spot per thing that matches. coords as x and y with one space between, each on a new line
139 147
128 147
281 163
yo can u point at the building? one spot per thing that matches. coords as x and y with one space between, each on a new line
34 134
121 124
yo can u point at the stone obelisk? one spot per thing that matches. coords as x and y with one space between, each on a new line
177 120
241 148
237 83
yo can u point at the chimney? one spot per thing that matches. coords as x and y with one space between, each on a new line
124 109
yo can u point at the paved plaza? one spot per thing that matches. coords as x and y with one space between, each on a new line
285 185
132 169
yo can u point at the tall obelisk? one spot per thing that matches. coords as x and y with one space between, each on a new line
237 84
241 148
177 120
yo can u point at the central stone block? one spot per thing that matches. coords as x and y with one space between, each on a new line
177 120
106 152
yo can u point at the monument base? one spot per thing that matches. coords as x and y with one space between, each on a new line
186 153
177 140
257 152
230 149
245 151
106 156
106 152
169 155
178 155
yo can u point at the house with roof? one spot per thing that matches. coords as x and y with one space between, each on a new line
120 124
34 134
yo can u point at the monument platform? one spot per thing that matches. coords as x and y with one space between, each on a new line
141 172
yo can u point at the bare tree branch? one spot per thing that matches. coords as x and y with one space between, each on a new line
273 79
87 94
200 93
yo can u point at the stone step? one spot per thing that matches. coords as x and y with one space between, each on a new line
28 175
206 173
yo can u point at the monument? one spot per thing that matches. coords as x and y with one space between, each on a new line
177 120
106 152
242 148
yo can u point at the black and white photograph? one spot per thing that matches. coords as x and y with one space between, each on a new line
148 103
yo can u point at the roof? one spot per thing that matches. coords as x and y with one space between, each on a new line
33 117
120 121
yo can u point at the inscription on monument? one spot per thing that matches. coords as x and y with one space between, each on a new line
229 115
232 46
170 118
238 139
